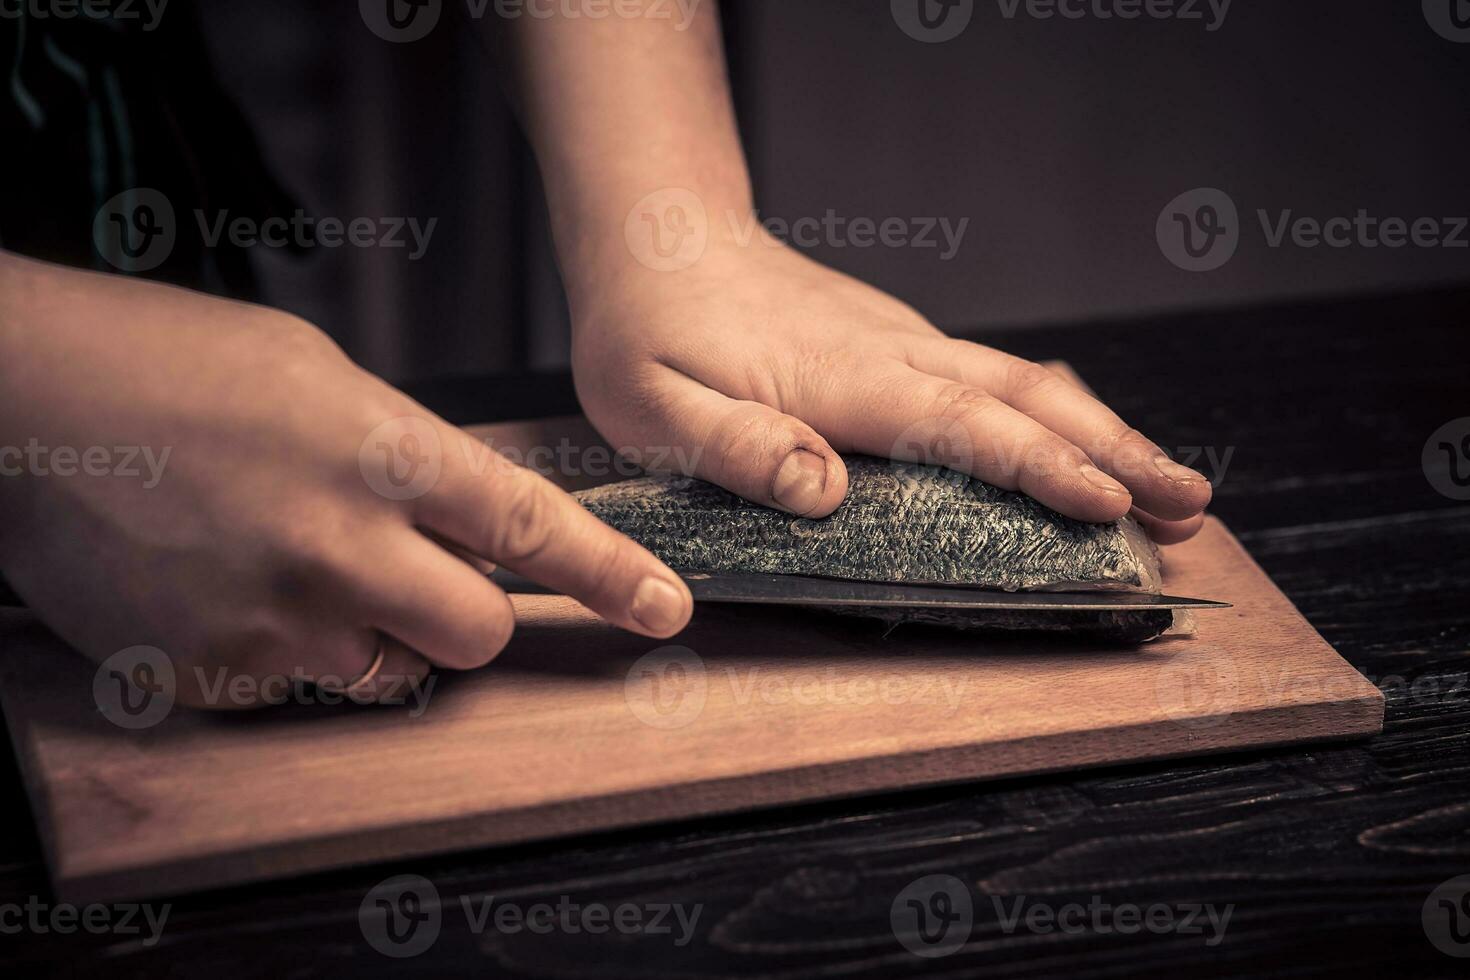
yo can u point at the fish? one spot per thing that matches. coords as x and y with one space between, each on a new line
909 523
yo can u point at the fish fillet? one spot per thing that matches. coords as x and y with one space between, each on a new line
901 522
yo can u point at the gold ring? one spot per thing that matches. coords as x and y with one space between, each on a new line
367 676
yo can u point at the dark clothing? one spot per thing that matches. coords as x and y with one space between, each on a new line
97 106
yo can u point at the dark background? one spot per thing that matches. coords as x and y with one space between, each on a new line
1061 140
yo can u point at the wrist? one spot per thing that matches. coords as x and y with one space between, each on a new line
671 237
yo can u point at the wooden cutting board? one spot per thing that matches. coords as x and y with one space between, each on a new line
579 727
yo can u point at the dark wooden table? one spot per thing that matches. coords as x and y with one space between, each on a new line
1327 854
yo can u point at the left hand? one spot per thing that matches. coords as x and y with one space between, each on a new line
756 366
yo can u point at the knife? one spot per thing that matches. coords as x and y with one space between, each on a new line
805 590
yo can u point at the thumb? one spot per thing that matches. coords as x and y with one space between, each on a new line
748 448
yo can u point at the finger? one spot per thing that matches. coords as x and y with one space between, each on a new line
255 669
434 603
1169 532
748 448
1158 484
468 557
398 678
927 419
516 518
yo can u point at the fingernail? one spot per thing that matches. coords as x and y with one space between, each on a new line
800 482
658 606
1171 470
1102 481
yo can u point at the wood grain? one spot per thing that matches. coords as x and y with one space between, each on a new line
1327 851
579 727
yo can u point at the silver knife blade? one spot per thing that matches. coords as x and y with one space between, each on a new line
804 590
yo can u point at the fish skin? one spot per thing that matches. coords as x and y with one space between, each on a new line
900 522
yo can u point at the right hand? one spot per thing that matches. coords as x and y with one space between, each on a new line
268 541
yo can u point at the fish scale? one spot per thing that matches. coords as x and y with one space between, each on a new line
902 523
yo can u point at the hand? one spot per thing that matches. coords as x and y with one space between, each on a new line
266 534
759 366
